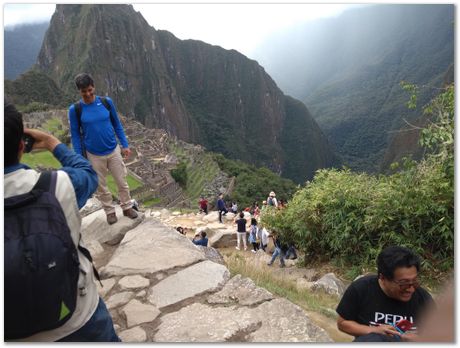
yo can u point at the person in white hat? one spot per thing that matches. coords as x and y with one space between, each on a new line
271 200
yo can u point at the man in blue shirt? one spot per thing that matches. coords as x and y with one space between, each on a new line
94 134
221 207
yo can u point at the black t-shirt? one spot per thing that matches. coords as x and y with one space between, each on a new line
365 302
241 225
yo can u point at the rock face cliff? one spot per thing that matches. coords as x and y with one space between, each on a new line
200 93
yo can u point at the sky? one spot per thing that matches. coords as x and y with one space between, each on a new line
239 26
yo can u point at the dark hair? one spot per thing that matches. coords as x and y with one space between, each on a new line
14 130
393 257
241 215
203 234
83 80
253 221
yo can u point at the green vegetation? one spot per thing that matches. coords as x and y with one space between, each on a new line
254 184
46 160
281 286
151 202
350 217
133 184
179 174
251 183
197 172
35 91
42 159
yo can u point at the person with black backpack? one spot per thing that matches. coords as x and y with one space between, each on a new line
49 289
94 129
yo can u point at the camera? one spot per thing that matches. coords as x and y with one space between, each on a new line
28 142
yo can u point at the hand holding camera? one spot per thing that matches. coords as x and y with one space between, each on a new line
35 139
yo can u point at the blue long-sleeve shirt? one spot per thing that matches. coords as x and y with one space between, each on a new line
221 205
80 171
202 242
98 128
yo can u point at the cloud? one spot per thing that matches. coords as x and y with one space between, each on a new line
14 14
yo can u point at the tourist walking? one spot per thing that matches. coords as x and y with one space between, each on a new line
280 249
221 207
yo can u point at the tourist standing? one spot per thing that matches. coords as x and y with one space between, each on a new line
253 233
94 128
241 232
203 205
271 200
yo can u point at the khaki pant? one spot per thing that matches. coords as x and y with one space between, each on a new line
112 162
241 236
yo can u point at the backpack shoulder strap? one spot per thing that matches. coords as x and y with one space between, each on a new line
77 107
108 107
46 182
106 103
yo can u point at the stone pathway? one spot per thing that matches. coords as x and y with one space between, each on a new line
160 287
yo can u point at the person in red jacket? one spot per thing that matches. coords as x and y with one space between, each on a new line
203 205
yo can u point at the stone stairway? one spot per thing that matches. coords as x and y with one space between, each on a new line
160 287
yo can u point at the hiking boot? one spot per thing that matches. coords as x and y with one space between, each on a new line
131 213
111 218
269 264
282 265
237 248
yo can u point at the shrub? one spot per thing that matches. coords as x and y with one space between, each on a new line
179 174
353 216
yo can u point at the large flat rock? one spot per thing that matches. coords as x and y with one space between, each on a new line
200 278
150 248
137 313
239 290
223 238
283 321
272 321
94 226
202 323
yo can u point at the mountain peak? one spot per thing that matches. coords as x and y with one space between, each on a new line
198 92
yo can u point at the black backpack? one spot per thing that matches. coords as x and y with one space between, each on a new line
41 262
77 107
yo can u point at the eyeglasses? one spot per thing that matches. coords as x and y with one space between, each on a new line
404 285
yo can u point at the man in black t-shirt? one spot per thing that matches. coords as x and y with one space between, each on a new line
372 305
241 231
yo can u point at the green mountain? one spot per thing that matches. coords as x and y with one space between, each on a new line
198 92
21 47
348 71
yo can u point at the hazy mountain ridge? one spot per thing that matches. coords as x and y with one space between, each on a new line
197 92
348 69
21 46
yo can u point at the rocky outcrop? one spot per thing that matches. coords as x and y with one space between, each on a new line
160 287
330 284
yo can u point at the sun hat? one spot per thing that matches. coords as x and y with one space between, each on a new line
272 194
